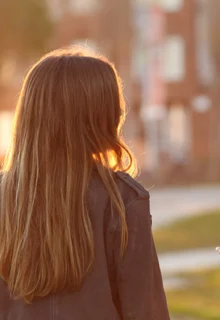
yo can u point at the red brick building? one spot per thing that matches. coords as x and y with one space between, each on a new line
174 86
186 76
189 23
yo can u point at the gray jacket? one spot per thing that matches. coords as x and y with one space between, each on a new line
116 289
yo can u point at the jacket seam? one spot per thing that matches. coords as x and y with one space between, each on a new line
141 197
146 197
139 189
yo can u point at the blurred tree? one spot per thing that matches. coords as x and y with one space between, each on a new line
25 28
214 38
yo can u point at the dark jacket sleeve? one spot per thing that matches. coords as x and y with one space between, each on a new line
139 280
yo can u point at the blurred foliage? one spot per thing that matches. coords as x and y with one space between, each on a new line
199 299
199 231
25 27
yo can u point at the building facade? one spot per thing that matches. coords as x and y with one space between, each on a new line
161 49
178 109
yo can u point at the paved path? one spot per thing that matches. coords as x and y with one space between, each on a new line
174 263
168 205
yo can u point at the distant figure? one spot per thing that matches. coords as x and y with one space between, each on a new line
75 227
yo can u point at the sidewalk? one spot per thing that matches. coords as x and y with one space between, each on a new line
174 263
171 204
168 205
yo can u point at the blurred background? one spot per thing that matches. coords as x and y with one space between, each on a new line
168 55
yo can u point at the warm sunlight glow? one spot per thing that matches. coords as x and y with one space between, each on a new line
6 118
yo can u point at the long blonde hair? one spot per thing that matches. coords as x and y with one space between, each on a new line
67 122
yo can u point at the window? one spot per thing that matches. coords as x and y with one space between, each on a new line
59 7
205 68
172 5
174 59
86 44
84 6
178 132
56 9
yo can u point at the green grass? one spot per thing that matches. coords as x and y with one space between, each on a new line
200 231
200 300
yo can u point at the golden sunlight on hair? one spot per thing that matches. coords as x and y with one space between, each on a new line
67 124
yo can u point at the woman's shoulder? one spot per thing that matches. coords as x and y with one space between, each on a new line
130 189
